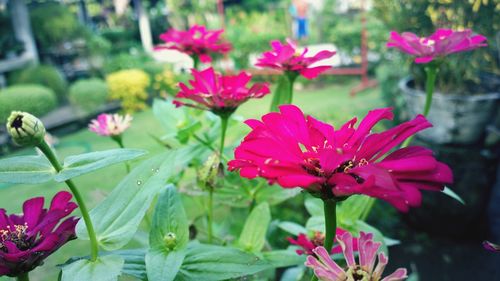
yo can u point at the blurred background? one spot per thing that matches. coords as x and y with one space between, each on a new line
67 61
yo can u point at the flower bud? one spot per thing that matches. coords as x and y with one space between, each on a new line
25 129
170 240
210 172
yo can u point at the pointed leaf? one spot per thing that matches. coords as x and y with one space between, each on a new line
26 169
292 228
452 194
253 236
162 265
105 268
274 194
315 207
78 165
283 258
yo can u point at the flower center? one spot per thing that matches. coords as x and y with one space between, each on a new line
318 239
358 274
313 167
16 235
17 123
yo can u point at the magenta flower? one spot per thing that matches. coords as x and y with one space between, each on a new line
491 247
110 124
286 57
309 244
27 239
327 270
196 41
294 151
217 93
441 43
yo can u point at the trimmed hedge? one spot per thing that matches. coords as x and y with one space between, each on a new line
88 94
45 75
35 99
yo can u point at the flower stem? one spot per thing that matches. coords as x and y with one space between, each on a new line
94 246
431 74
223 126
330 208
196 61
23 277
291 76
210 215
118 139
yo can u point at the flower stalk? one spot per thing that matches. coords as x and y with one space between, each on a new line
23 277
119 140
94 246
330 207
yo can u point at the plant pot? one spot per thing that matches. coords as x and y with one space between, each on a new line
456 119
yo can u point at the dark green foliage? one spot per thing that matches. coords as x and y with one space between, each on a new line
389 74
35 99
88 94
45 75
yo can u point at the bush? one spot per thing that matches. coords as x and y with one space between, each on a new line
130 88
35 99
45 75
88 94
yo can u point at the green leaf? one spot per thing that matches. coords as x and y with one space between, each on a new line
134 262
117 218
452 194
169 117
292 228
315 207
253 235
275 194
169 219
105 268
208 262
26 169
316 223
282 94
283 258
162 265
78 165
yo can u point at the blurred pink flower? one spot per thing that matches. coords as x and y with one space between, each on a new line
26 240
295 151
196 41
327 270
217 93
491 247
309 244
286 57
110 124
441 43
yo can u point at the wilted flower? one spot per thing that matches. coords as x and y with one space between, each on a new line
196 41
110 124
25 129
294 151
327 270
309 244
441 43
27 239
287 58
217 93
491 247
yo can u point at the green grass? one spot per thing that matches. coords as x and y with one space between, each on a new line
332 104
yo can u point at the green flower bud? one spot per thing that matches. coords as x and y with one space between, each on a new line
25 129
170 240
210 172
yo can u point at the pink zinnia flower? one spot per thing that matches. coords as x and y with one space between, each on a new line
217 93
110 124
286 57
491 247
441 43
196 41
27 239
294 151
309 244
327 270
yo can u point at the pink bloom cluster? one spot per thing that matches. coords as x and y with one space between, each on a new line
441 43
110 124
286 57
297 151
196 41
27 239
309 244
218 93
327 270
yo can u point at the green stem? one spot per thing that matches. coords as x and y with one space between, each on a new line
291 76
223 125
23 277
210 215
196 61
118 139
94 246
330 207
431 74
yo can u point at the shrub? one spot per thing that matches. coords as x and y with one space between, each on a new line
130 88
45 75
88 94
35 99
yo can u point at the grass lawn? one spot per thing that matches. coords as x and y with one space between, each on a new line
331 103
